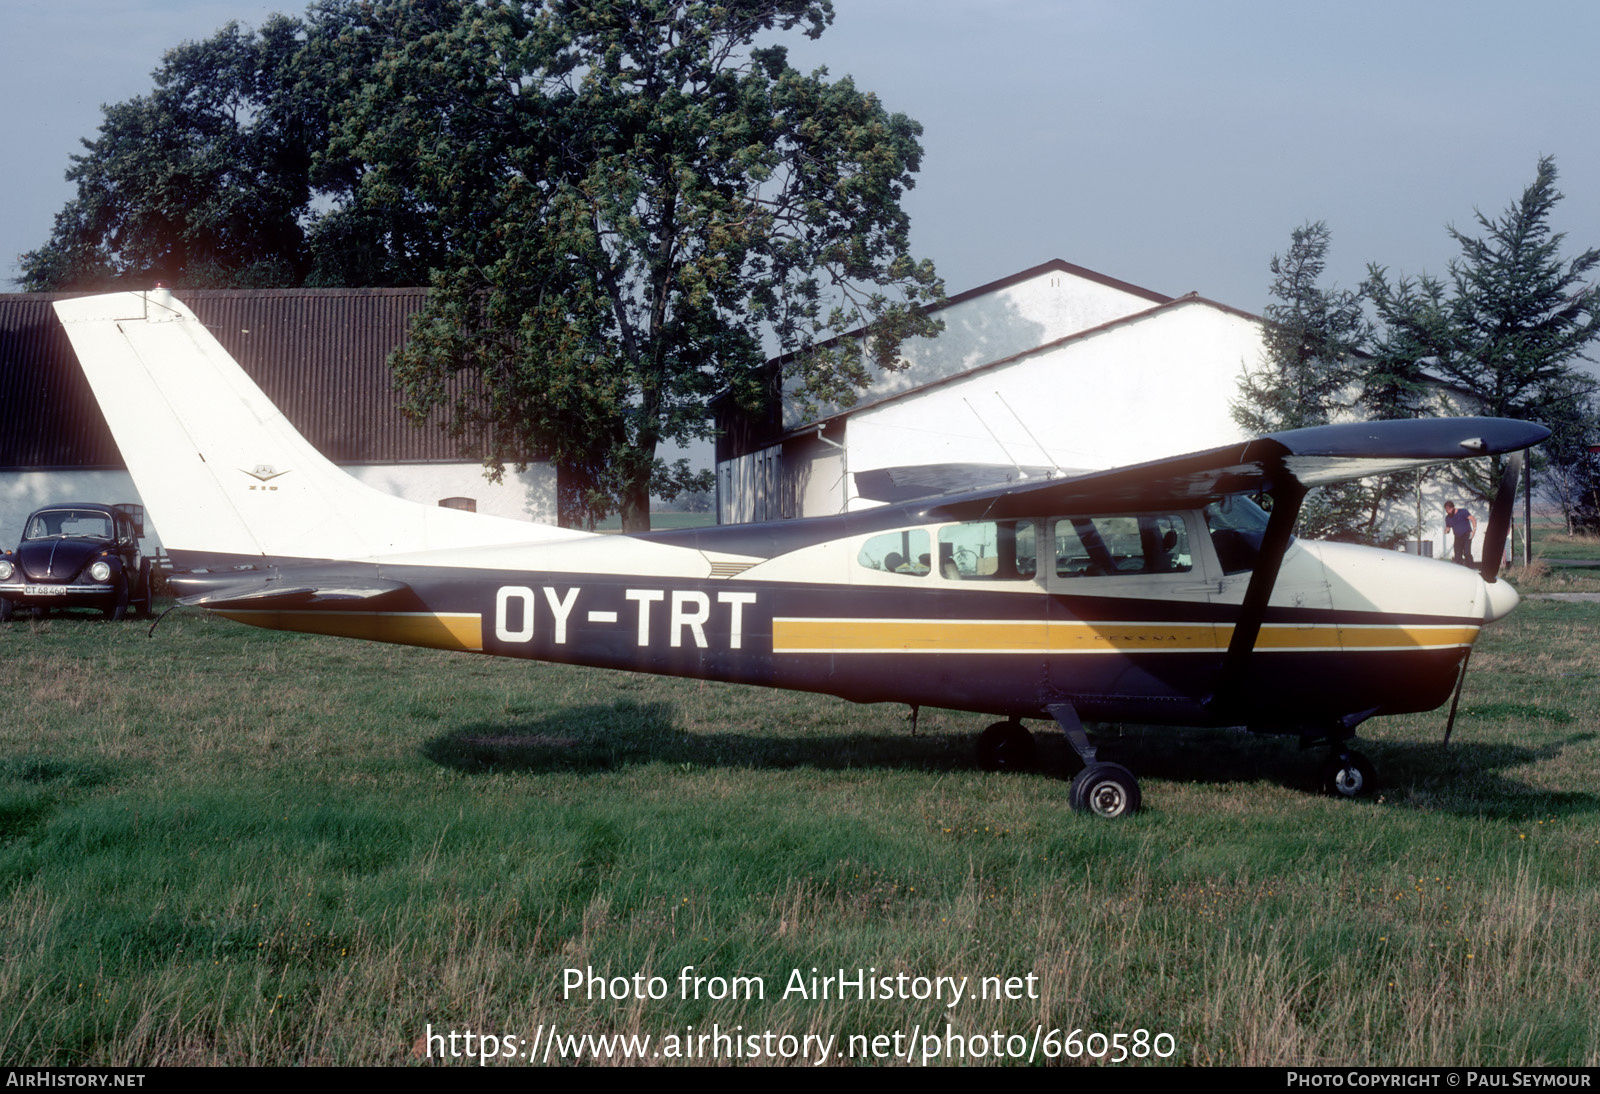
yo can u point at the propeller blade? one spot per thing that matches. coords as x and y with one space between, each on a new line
1505 500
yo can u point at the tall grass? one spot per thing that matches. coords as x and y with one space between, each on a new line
231 846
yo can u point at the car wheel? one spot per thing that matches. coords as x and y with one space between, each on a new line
147 594
7 609
119 606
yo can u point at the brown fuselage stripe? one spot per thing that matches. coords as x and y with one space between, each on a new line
436 630
796 635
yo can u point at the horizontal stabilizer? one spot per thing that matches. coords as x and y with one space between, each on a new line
276 594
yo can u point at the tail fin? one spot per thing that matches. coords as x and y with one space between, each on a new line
226 479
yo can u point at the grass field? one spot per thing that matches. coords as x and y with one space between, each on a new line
1553 542
224 845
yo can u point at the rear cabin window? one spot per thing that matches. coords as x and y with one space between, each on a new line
988 550
1116 546
897 553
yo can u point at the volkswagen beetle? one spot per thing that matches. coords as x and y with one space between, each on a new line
78 555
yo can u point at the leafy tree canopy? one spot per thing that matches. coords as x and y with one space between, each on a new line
620 206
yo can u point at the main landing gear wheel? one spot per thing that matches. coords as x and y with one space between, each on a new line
1348 775
1106 790
1005 746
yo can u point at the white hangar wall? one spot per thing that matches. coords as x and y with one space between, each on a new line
1159 385
999 320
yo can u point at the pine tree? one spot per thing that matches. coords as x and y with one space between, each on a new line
1312 337
1310 374
1507 323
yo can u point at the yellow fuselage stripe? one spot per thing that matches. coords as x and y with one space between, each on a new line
440 631
795 635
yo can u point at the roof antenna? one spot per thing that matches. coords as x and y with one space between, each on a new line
1004 450
1056 466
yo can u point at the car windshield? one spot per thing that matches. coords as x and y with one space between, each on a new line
68 524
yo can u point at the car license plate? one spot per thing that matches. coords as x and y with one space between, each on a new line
43 590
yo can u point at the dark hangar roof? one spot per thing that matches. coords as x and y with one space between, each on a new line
320 354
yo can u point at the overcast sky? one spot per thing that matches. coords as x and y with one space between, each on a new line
1173 145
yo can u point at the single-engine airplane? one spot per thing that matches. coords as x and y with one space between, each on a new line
1156 593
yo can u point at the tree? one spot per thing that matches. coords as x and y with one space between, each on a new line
1507 323
1311 337
619 205
638 197
224 175
1572 471
205 181
1310 374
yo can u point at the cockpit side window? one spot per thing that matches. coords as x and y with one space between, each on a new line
1237 526
897 553
988 550
1155 543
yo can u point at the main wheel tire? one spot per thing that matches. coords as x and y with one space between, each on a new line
7 610
1106 790
119 606
1005 746
1349 775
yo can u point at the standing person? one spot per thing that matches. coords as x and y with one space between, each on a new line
1463 525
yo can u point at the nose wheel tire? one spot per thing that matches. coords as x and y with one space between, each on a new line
1106 790
1005 746
1348 775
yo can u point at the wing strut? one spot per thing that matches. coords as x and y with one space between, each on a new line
1286 500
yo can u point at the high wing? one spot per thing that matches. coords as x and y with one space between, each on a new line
1279 464
926 480
1302 458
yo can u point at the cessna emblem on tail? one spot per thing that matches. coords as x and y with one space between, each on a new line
1156 593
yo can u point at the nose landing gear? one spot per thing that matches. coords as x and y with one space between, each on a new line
1348 774
1104 789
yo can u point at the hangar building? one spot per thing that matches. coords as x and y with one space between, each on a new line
321 355
1056 367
